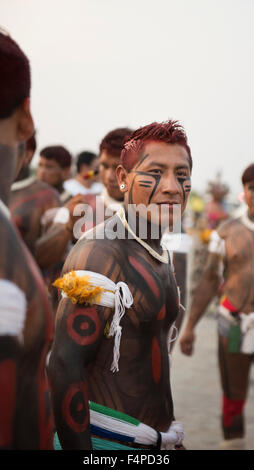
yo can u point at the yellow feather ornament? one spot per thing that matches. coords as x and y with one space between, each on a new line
79 289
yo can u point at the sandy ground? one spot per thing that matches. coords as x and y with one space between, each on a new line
197 394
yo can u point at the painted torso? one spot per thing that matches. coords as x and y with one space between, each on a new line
239 268
141 388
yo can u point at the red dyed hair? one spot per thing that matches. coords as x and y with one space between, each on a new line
15 78
113 142
248 174
169 132
58 153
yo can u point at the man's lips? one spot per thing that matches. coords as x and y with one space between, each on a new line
167 203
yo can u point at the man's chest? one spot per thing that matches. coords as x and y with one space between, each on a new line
154 291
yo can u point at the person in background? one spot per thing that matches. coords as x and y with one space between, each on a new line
26 323
30 199
54 167
51 247
86 179
229 269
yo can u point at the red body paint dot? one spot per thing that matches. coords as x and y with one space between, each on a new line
156 360
84 326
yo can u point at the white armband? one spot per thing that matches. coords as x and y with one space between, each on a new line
93 288
62 216
216 244
12 309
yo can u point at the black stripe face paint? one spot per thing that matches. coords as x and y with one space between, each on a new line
185 185
144 183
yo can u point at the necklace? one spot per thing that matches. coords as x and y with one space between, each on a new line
164 258
247 222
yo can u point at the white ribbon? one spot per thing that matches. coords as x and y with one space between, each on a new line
216 244
120 298
12 309
247 329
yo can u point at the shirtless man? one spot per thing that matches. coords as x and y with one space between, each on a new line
231 252
123 367
30 199
26 327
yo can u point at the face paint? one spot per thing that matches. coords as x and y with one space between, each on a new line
185 185
145 183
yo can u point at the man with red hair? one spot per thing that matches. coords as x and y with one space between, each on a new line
118 307
230 267
26 327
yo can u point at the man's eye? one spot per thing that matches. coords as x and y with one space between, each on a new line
182 174
157 171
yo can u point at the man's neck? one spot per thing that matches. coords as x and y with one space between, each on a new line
7 170
59 188
143 229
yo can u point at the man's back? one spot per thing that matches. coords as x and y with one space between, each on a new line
30 426
28 203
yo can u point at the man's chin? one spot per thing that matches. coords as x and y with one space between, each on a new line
114 193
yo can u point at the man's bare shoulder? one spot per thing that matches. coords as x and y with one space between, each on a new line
41 186
92 253
228 227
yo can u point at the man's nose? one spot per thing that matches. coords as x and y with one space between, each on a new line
170 184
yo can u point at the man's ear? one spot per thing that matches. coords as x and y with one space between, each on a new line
25 124
122 178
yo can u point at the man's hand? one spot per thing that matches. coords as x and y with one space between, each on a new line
187 341
78 199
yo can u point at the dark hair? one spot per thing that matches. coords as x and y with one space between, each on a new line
113 142
15 78
170 132
85 158
58 153
248 174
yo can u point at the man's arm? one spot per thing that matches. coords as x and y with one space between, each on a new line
51 246
204 292
78 334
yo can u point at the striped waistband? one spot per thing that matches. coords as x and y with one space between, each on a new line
115 425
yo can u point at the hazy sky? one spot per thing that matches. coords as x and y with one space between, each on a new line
101 64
